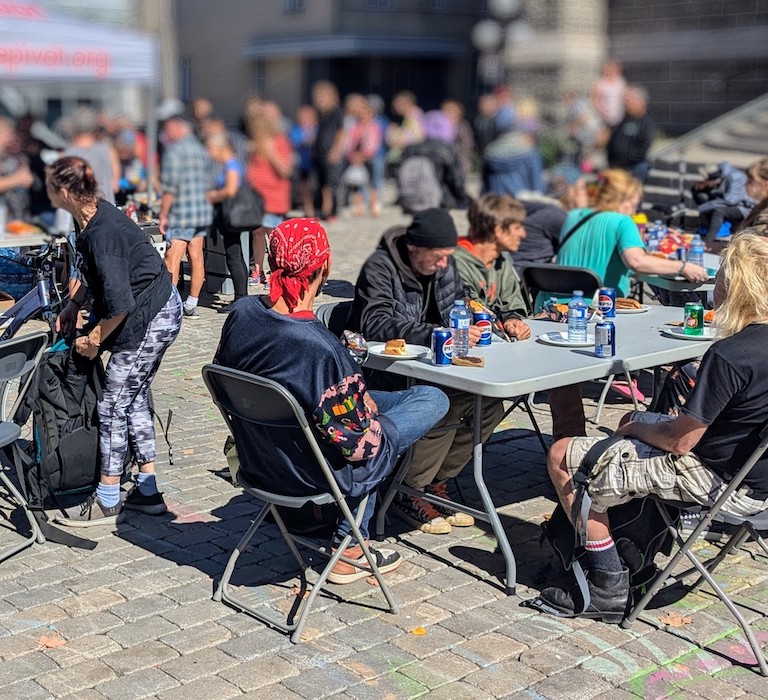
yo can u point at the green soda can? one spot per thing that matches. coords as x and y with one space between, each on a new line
693 321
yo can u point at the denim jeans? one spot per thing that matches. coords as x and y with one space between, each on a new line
414 412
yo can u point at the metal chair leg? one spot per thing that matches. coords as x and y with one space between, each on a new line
35 534
222 589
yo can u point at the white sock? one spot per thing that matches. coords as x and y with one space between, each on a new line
190 302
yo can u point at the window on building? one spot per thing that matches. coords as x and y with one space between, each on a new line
379 3
185 79
260 76
293 5
439 4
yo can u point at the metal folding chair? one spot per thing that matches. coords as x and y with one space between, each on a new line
249 402
747 528
19 358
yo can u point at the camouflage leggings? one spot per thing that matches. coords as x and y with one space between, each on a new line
124 413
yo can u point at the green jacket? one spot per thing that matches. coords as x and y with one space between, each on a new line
496 287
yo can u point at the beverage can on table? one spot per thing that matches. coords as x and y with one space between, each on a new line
693 319
606 301
605 339
442 346
482 319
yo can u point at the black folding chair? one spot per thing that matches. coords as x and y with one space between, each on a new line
557 280
560 280
251 402
334 315
19 358
747 528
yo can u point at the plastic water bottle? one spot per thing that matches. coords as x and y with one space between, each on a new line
696 252
460 319
577 318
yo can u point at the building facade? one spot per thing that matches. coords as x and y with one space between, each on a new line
697 58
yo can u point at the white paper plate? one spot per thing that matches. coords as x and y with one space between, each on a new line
561 338
412 352
643 309
679 333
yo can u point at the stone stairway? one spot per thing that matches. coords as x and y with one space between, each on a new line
738 137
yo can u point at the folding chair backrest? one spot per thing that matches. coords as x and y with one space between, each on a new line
19 357
558 280
256 409
334 316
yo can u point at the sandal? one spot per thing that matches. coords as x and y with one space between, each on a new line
621 387
386 560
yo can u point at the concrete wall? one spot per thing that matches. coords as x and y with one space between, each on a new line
697 58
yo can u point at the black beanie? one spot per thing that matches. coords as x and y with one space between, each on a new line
432 228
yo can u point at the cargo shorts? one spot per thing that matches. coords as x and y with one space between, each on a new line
631 469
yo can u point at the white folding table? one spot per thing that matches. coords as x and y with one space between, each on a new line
517 369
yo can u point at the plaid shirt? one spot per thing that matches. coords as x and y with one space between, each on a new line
186 174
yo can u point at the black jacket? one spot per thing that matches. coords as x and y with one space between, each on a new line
390 299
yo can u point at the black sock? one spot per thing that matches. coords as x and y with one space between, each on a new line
602 554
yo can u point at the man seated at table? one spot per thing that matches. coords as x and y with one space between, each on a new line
361 432
688 458
406 289
495 227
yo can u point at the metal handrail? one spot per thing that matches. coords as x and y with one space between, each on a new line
695 137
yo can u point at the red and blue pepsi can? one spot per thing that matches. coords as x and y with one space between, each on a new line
482 319
442 346
605 339
606 302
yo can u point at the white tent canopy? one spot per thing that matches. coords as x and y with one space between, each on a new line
38 44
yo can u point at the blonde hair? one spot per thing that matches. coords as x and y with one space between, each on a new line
615 187
745 270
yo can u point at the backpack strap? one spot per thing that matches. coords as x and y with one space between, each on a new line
582 502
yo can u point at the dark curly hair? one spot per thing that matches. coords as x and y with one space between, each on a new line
74 175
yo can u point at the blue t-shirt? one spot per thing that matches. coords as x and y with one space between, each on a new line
232 164
598 245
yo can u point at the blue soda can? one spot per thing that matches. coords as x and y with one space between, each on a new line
605 339
606 302
482 319
442 346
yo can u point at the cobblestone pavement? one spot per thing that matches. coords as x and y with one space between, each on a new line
134 617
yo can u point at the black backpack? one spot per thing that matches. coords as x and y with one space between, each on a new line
63 399
59 468
637 528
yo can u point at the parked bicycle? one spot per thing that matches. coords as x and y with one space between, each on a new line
45 300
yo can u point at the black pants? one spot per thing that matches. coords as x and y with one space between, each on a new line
719 216
235 263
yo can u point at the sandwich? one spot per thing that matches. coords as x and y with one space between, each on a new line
468 361
625 303
395 347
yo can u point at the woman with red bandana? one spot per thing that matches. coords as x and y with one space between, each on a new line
361 433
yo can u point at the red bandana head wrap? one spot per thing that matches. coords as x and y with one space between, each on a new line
297 248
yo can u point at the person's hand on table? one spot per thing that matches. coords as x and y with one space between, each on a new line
474 335
516 328
694 273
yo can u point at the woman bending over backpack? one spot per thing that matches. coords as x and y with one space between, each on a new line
136 316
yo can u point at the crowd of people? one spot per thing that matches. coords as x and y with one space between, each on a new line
405 290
